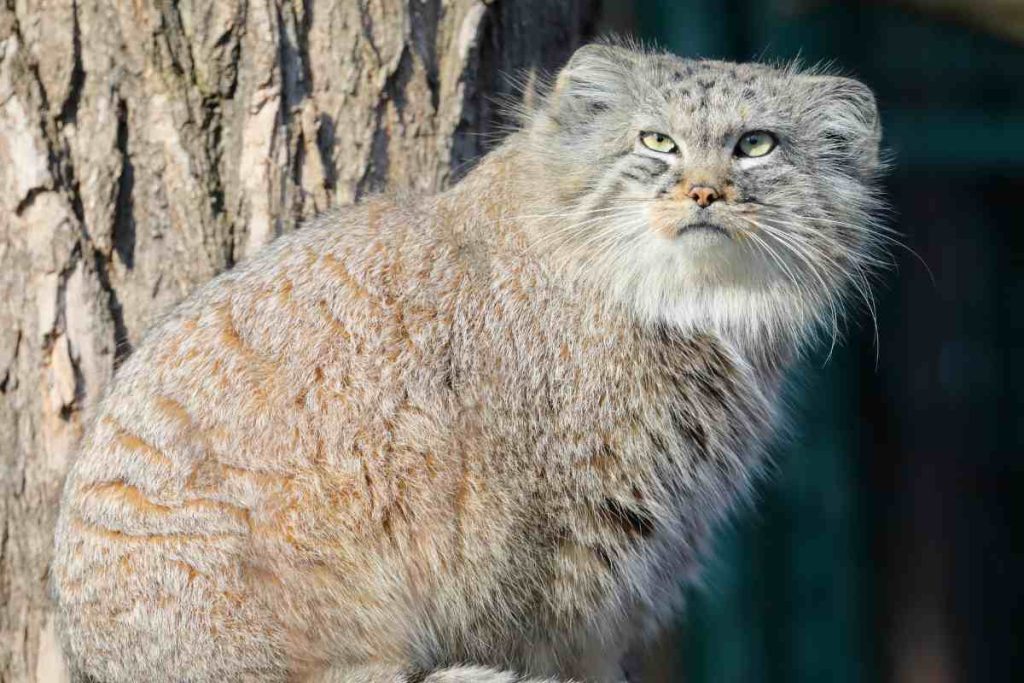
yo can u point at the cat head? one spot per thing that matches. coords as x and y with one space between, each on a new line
703 192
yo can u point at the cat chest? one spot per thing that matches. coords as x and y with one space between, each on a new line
649 472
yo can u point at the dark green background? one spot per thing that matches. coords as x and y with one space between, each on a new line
888 544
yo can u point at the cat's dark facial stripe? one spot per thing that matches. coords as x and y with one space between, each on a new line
644 169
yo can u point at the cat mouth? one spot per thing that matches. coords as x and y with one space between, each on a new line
703 227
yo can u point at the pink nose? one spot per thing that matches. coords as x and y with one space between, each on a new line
703 195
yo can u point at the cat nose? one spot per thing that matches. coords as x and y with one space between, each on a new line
704 195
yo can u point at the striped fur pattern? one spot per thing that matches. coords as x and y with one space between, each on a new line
481 436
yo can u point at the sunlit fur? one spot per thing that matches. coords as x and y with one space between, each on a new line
802 225
485 434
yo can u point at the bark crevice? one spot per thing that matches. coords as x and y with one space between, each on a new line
69 109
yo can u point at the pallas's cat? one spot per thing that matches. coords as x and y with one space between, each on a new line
482 435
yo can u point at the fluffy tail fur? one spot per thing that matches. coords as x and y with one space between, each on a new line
476 674
457 674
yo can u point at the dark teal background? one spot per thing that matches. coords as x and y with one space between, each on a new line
889 543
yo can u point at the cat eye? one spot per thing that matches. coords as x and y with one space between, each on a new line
658 142
756 143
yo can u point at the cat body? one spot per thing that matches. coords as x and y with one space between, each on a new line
446 439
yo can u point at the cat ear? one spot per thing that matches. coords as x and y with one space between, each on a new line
843 113
593 80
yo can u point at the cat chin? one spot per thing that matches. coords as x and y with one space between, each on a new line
702 237
753 320
705 281
712 284
705 259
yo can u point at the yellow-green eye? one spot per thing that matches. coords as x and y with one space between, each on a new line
755 144
658 142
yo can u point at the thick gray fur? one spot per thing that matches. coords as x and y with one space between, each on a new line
485 435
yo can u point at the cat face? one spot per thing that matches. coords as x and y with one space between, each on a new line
710 191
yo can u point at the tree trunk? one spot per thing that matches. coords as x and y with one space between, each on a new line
146 145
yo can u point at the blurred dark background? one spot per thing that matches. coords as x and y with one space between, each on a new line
888 544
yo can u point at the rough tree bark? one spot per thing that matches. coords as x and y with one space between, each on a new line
146 145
